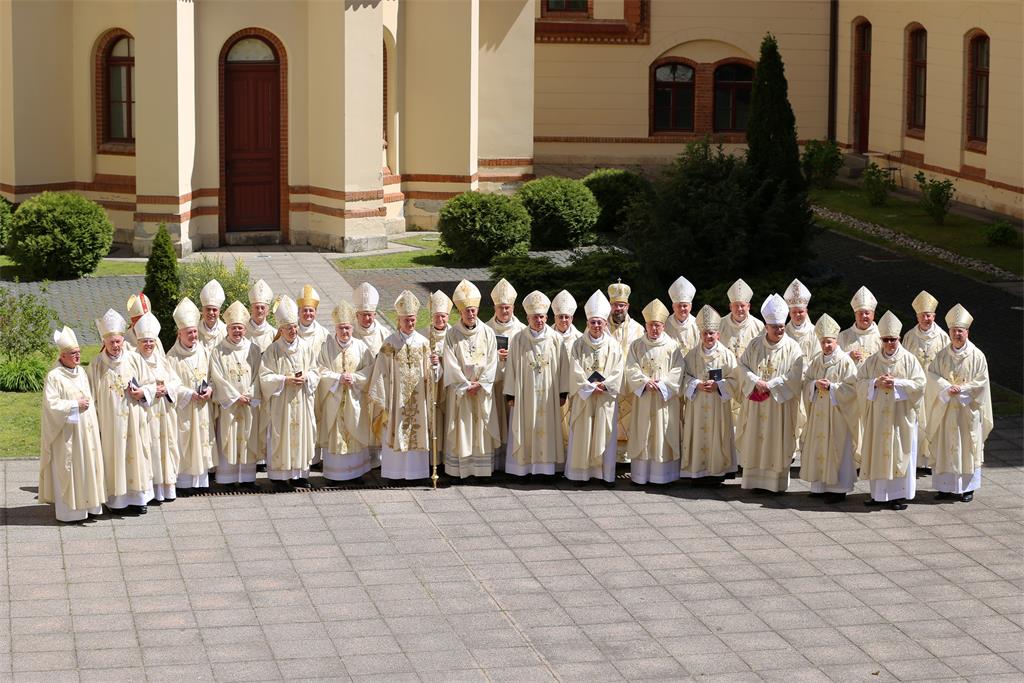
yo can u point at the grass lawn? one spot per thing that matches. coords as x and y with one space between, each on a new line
9 271
424 257
960 234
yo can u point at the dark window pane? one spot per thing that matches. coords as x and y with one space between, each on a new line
742 103
723 109
684 109
567 5
673 73
118 85
662 109
920 45
981 53
733 72
118 121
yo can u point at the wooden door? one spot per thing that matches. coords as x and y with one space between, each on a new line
252 146
861 86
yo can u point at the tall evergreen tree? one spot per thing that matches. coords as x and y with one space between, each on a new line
780 215
162 284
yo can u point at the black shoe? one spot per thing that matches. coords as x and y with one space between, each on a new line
156 503
247 486
280 486
816 495
897 504
872 503
834 498
261 467
317 466
943 495
302 483
967 497
922 471
141 509
580 484
169 500
184 491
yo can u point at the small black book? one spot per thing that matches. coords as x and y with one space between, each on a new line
502 342
715 374
203 386
595 377
133 384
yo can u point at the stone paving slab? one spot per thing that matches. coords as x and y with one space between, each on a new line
521 582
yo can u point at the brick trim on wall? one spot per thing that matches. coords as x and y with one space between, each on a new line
633 29
656 139
282 62
99 89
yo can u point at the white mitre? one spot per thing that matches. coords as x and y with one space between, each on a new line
863 299
440 303
365 297
237 314
260 293
959 317
503 293
826 327
65 339
407 303
111 324
563 303
287 312
536 303
774 310
147 327
186 314
740 292
212 294
889 326
681 291
597 306
797 294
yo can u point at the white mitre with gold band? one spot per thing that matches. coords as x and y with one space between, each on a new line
407 303
863 299
260 293
618 292
138 305
740 292
708 319
889 326
212 294
186 314
597 306
959 317
774 310
65 339
287 311
797 294
503 293
309 297
111 324
237 314
466 295
924 303
365 297
536 303
655 312
563 304
147 327
682 291
440 303
826 327
344 314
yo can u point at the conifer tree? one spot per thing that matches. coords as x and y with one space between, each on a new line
162 284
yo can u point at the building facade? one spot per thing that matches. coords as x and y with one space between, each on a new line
337 122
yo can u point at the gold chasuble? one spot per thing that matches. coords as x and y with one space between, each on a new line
654 424
436 339
708 443
592 423
832 419
889 416
926 346
195 422
737 336
70 454
534 377
346 425
959 424
766 430
234 371
624 335
685 333
124 426
472 435
400 387
292 417
855 339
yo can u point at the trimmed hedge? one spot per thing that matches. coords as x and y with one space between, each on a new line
5 223
615 190
476 227
59 235
562 211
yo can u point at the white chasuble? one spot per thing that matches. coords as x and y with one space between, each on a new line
159 371
654 426
868 341
806 337
234 372
888 417
766 431
832 431
624 335
71 472
959 424
509 330
566 339
124 429
925 345
261 335
211 337
708 442
315 335
685 333
373 336
592 415
535 377
470 355
195 416
737 336
292 418
345 432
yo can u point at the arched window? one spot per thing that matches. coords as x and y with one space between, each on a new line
977 88
672 86
733 83
917 62
119 75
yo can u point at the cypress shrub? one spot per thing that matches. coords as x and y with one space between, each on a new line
162 284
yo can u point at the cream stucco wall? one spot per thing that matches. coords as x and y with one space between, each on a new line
506 79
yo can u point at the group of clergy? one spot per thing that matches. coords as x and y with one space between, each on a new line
691 396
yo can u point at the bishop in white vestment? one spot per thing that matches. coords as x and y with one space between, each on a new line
259 330
436 332
681 326
234 373
564 308
624 331
212 329
861 340
371 332
925 340
505 326
196 421
739 328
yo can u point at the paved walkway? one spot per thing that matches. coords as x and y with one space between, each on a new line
507 582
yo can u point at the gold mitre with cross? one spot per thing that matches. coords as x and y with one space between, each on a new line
655 312
503 293
618 292
959 317
708 319
309 297
236 314
466 295
344 313
924 303
826 327
186 314
536 303
440 303
407 303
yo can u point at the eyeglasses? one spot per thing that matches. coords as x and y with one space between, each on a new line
890 340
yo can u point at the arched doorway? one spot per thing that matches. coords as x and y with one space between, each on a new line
861 85
252 154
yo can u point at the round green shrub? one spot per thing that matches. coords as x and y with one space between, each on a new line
562 211
5 223
475 227
1002 234
23 374
615 189
59 235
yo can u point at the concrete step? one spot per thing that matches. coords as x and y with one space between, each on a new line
252 237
